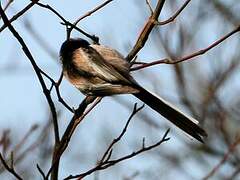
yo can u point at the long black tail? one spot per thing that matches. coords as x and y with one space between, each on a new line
187 124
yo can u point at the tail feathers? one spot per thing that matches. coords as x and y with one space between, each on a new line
184 122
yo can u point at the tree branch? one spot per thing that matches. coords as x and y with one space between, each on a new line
231 149
105 161
9 169
147 29
76 119
89 13
172 18
40 78
19 14
68 24
107 152
188 57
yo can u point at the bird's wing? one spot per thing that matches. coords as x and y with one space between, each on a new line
113 57
93 62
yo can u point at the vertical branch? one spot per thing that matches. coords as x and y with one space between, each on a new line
63 144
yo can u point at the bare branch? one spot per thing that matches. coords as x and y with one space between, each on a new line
60 99
172 18
19 14
107 163
147 29
41 172
76 119
149 6
40 78
188 57
57 85
7 5
89 13
9 169
135 111
66 22
143 149
231 149
36 69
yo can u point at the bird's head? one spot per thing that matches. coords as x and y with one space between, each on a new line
69 46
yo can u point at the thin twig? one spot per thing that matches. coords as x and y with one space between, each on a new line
60 99
7 5
68 24
107 163
147 29
19 14
41 172
173 17
231 149
38 141
149 6
143 149
57 85
188 57
89 13
10 169
134 111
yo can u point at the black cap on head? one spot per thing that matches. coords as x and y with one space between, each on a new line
69 46
72 44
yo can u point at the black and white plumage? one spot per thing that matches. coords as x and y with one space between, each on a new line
101 71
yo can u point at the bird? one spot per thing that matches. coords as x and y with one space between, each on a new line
98 70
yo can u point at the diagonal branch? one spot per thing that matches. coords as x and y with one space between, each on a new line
66 22
89 13
188 57
36 69
107 163
147 29
57 85
76 119
7 5
9 169
149 6
108 151
231 149
173 17
19 14
40 78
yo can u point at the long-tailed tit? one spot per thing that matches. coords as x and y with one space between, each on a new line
101 71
